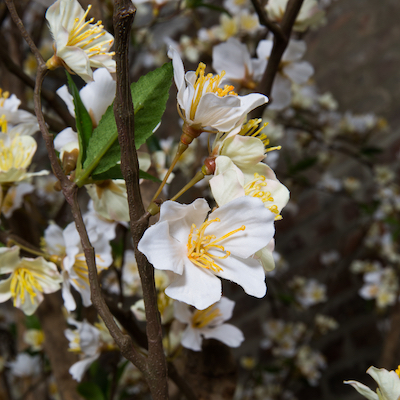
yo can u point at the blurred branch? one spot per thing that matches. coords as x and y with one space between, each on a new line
280 43
156 368
52 98
264 20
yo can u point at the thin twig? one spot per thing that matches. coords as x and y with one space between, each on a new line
264 20
124 13
279 47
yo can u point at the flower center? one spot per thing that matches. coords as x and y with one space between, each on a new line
199 246
24 281
15 154
202 318
83 34
3 121
208 84
258 188
398 371
81 269
251 128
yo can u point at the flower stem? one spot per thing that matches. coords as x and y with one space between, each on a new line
197 178
29 250
181 148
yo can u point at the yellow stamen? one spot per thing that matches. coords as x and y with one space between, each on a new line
3 122
83 34
202 318
398 371
15 155
208 84
251 128
199 246
258 188
24 281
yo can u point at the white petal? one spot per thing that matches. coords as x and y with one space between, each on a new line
227 184
197 287
5 292
179 73
191 339
78 369
162 250
68 135
67 99
232 57
98 95
295 50
182 312
281 93
251 213
249 274
363 390
298 72
264 49
226 333
69 301
243 150
226 306
388 381
266 257
77 60
182 216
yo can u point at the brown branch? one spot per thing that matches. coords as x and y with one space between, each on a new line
265 21
70 190
279 47
124 13
56 345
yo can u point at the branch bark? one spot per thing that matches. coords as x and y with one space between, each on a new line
280 43
124 13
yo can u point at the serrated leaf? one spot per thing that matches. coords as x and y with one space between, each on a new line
83 121
90 391
149 95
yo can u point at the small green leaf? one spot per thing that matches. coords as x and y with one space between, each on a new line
149 95
115 173
145 175
83 121
90 391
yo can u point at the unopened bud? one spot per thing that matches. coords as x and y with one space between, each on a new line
69 160
209 166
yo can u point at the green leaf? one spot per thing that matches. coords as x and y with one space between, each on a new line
149 95
115 173
90 391
83 121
